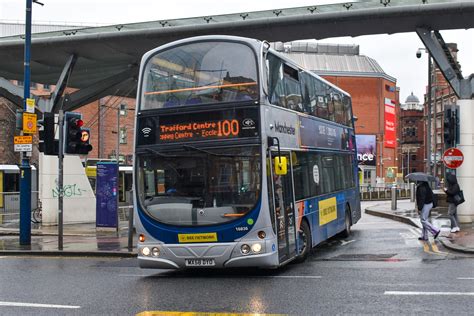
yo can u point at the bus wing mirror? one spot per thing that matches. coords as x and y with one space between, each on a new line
280 166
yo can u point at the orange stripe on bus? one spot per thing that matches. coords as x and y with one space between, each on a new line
203 88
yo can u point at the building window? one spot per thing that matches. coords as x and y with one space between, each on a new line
123 109
123 135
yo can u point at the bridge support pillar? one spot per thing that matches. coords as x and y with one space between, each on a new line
465 173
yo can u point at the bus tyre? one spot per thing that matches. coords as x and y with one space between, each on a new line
347 224
304 238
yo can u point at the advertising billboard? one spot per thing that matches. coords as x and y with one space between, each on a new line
390 132
107 194
366 150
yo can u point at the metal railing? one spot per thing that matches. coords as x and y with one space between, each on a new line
369 193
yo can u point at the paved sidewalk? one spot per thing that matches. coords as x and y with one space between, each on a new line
78 240
462 241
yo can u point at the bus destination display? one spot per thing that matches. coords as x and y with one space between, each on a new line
199 126
197 130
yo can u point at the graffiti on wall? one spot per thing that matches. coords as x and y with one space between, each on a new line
68 190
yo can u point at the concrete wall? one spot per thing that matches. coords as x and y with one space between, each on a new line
79 199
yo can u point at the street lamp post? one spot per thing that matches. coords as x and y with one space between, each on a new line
428 130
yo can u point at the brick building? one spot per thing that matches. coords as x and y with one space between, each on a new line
411 156
372 91
442 96
111 120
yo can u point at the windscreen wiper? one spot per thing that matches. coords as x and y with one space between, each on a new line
189 147
158 153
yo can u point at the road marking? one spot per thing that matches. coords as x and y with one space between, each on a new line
435 248
343 242
287 276
240 276
465 278
374 223
426 247
414 293
169 313
19 304
415 231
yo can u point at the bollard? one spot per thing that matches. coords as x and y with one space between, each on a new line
394 197
412 192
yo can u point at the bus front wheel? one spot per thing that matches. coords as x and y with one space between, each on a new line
304 238
347 224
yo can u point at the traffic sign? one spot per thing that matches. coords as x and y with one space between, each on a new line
23 147
453 158
30 105
17 140
29 123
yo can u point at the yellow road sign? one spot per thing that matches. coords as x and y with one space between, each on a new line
29 123
17 140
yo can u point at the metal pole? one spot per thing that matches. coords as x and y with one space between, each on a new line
60 180
428 133
25 168
130 223
118 134
408 162
381 157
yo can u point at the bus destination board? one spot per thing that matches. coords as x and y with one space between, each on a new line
201 126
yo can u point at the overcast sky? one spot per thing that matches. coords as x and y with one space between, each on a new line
394 53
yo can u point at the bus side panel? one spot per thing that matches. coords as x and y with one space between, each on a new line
325 215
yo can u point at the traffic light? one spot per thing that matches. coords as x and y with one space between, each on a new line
76 138
450 125
47 144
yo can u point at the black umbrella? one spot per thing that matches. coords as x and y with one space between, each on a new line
419 176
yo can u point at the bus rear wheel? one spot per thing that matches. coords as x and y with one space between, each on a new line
304 238
347 224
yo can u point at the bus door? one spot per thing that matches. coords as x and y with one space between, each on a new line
284 210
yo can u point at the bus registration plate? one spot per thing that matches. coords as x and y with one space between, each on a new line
200 262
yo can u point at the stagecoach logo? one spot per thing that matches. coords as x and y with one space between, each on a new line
284 129
146 131
248 123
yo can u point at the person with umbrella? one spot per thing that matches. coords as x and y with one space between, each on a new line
451 190
424 203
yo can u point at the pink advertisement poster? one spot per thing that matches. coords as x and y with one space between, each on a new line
390 131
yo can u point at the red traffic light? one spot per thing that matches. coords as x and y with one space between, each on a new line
79 122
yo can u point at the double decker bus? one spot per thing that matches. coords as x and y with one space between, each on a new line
242 158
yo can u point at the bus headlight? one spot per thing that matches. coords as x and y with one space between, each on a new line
245 249
146 251
256 248
155 252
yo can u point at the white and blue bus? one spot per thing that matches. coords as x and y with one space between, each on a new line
242 158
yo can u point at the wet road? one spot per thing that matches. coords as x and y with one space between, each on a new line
381 269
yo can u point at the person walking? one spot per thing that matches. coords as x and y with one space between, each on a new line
451 190
424 203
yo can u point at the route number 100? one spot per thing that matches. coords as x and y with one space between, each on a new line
227 128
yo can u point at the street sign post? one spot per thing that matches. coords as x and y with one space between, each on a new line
453 158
